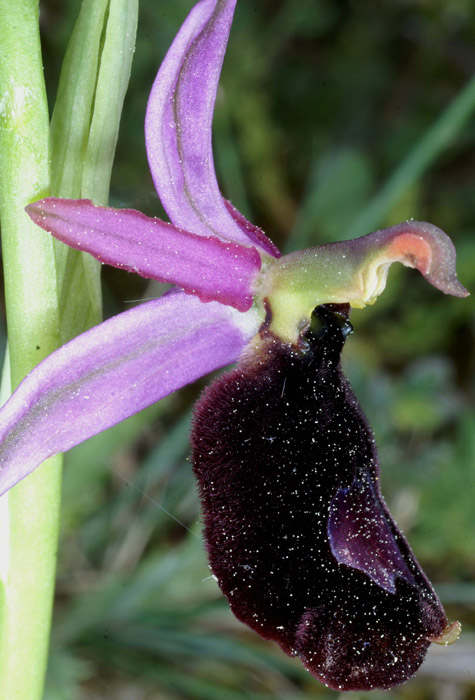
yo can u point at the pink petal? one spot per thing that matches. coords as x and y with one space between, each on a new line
206 266
178 127
113 371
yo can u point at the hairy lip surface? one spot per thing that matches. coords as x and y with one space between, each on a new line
298 535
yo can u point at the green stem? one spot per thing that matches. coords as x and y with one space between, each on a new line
28 560
51 292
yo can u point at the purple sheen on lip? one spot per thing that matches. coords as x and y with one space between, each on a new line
113 371
203 265
361 537
178 127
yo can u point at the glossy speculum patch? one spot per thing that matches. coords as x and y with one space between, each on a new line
298 535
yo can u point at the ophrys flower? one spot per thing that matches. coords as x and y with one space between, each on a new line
297 532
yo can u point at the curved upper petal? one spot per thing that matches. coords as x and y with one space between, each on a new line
112 371
203 265
178 128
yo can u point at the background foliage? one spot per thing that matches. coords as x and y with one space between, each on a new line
321 103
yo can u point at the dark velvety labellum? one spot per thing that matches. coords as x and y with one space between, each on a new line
297 532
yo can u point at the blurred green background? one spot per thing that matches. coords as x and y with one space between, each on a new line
333 118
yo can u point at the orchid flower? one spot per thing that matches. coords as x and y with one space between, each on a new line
298 534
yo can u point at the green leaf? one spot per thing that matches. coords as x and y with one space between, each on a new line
339 181
84 131
436 140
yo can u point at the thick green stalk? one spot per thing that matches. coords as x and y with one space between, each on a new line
51 292
29 547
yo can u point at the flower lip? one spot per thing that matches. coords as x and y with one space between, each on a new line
281 505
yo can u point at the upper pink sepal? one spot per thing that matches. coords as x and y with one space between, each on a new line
178 128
